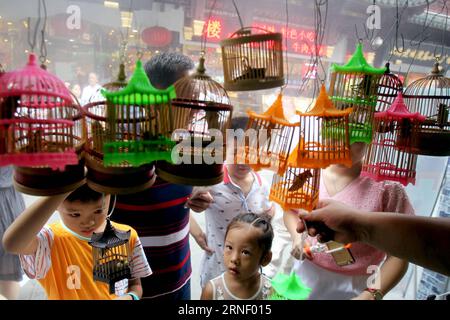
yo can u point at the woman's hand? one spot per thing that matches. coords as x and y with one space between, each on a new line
333 221
297 247
199 201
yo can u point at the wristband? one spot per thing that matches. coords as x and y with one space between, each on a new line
133 295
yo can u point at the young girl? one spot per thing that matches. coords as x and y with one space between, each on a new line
248 241
320 272
59 255
242 190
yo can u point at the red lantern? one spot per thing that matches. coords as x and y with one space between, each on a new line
157 37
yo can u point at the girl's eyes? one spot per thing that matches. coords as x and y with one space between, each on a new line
246 252
74 215
99 211
228 247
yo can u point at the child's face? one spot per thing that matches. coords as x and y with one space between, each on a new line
242 255
85 218
358 151
240 171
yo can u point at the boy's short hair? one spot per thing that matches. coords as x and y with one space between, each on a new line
165 68
84 194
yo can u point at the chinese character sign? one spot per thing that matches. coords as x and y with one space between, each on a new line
299 40
214 29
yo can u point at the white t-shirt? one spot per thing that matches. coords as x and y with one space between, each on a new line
91 92
229 201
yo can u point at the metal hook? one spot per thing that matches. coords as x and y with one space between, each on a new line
403 44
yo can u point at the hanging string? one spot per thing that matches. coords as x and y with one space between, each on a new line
320 22
441 56
397 27
130 10
123 46
43 49
139 51
396 24
238 14
205 29
357 34
425 25
305 80
319 38
286 43
424 36
32 42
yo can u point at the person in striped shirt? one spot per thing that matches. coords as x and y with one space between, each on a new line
59 255
160 213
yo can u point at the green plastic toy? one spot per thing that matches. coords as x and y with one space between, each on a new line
139 122
289 287
355 85
357 64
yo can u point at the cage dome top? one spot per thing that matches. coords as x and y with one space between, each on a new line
201 88
358 64
32 80
324 107
276 109
139 91
433 85
399 110
110 238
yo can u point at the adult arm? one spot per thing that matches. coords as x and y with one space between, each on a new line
423 241
290 219
207 292
199 200
390 273
199 235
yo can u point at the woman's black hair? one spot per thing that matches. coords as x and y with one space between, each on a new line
260 221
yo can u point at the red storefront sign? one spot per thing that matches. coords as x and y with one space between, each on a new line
158 37
299 40
216 29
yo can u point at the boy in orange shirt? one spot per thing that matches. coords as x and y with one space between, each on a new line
59 255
